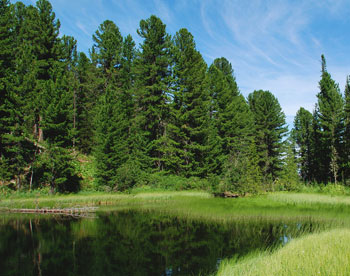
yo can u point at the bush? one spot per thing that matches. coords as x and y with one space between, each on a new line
55 169
287 184
335 189
177 183
128 176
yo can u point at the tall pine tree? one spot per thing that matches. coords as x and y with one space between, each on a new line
269 130
303 136
189 122
152 82
331 117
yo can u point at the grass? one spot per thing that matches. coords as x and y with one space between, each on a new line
201 205
316 254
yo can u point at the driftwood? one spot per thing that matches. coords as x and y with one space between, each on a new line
66 211
227 195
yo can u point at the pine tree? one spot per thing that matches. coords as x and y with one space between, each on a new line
189 122
346 147
303 136
232 118
85 103
269 130
318 171
113 57
40 50
151 91
13 153
57 122
289 177
6 66
331 117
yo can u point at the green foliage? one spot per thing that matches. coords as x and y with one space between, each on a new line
189 109
55 169
289 179
346 147
151 90
303 136
335 189
177 183
128 175
269 130
331 117
242 174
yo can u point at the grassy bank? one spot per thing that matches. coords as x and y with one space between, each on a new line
202 205
317 254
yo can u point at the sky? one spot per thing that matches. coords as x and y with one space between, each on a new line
273 45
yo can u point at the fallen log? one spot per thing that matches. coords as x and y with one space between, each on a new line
65 211
227 195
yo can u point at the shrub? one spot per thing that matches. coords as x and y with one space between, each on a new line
335 189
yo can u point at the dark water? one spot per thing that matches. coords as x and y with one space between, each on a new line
131 243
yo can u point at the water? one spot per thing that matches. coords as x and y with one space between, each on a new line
131 243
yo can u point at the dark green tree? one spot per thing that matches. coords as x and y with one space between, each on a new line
230 112
6 68
346 146
289 179
114 58
13 146
86 99
269 131
189 109
303 136
331 117
152 72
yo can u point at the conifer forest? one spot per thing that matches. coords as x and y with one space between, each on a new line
153 114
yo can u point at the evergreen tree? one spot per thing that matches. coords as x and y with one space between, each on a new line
303 136
235 124
151 91
346 147
189 123
318 171
6 66
331 116
111 139
13 150
85 103
58 113
289 177
230 112
40 51
269 130
54 167
113 57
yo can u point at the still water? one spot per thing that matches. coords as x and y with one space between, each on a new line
131 243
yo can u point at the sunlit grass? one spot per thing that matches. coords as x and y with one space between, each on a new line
202 205
297 198
316 254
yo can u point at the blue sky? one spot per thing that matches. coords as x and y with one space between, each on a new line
272 45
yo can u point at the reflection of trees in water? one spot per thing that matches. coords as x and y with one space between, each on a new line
131 243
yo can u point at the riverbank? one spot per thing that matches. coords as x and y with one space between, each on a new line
316 254
198 204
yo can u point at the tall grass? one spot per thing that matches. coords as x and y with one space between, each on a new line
316 254
202 205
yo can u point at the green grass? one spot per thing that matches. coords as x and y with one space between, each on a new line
324 253
201 205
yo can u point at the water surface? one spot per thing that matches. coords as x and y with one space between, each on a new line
132 243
